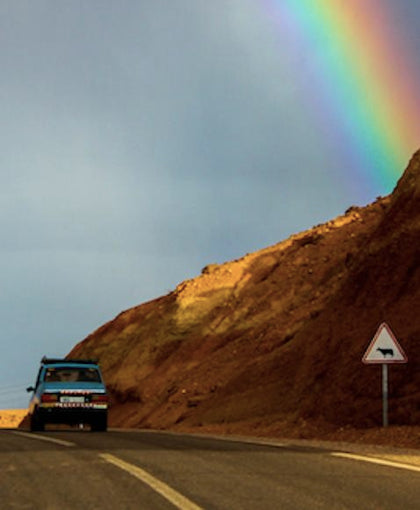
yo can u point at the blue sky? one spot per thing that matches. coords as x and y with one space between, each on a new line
142 140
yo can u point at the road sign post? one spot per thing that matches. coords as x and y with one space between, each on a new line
384 395
384 349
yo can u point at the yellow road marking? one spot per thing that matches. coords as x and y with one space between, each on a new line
164 490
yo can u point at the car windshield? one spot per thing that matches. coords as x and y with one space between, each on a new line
72 374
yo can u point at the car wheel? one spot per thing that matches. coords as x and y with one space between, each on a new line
99 425
37 423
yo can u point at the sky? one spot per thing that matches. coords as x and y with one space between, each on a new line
144 139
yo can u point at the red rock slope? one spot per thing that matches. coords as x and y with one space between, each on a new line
275 339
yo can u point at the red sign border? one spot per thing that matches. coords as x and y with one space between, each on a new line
384 361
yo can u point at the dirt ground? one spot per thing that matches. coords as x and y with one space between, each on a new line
11 418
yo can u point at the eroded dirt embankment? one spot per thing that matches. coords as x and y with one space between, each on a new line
272 343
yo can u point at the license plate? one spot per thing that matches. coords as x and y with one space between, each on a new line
67 398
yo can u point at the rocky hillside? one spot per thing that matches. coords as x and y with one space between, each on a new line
274 340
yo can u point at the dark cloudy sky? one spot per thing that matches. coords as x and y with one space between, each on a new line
140 141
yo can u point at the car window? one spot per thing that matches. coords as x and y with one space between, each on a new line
71 374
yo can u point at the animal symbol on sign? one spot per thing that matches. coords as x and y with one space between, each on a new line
385 352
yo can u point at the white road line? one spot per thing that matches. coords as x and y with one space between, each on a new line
164 490
375 460
45 438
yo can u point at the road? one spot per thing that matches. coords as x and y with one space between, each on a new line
146 470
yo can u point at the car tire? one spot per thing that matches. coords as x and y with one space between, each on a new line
37 423
100 424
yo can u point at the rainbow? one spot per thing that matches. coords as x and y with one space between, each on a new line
362 81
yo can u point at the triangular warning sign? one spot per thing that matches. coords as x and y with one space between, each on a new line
384 348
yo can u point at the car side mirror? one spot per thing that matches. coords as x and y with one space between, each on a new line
30 388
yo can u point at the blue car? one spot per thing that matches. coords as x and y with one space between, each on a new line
69 392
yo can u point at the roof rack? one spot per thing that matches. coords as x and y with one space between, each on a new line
46 360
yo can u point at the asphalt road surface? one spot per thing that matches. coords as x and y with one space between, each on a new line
145 470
